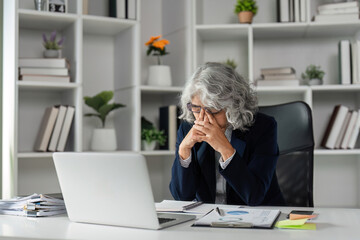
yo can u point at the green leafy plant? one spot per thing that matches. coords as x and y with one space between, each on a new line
313 72
149 133
231 63
100 103
246 5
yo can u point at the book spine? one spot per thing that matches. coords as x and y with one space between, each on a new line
342 131
335 128
355 133
112 8
349 130
344 62
65 128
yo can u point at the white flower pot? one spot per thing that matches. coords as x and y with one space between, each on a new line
104 139
148 146
159 75
50 53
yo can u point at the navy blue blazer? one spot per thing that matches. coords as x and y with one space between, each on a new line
250 176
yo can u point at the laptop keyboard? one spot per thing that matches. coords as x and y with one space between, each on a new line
164 220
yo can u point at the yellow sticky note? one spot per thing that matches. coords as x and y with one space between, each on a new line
297 222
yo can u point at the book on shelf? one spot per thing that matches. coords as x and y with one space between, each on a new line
43 63
284 82
339 11
44 78
131 9
342 130
337 17
85 7
355 61
296 10
117 8
277 70
291 11
65 130
46 128
334 126
57 128
344 62
349 130
283 10
169 123
355 133
338 5
281 76
44 71
303 11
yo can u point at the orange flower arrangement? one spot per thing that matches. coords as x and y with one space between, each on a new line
157 47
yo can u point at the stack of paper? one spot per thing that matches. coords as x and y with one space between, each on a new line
35 205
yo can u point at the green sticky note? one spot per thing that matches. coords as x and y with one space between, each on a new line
306 226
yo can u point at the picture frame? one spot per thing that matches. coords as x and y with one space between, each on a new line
59 6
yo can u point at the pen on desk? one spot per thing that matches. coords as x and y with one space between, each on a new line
219 211
192 205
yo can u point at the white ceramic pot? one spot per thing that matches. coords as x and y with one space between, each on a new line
148 146
159 75
50 53
104 139
315 81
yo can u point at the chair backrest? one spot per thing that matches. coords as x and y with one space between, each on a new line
296 146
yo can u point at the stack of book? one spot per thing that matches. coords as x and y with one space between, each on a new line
35 205
343 129
169 123
280 76
338 12
291 10
54 129
44 69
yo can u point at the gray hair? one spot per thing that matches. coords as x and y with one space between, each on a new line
220 87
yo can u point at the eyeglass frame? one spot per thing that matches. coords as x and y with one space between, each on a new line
190 106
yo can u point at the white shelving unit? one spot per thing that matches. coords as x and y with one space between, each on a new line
217 36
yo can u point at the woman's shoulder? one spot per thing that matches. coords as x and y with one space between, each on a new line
262 119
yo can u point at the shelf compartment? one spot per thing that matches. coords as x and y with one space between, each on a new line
105 25
26 155
158 153
32 19
279 30
32 85
334 29
330 88
282 89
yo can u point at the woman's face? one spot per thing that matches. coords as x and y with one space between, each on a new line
220 117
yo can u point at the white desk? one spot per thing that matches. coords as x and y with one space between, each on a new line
332 223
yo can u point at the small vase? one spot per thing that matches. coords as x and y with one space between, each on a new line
51 53
159 75
148 146
39 5
103 139
245 17
315 81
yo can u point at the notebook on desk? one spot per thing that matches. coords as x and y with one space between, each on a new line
110 189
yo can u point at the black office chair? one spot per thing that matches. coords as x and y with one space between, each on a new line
296 145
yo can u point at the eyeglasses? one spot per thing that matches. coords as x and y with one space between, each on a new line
196 109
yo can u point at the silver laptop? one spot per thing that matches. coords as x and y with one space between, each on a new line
110 189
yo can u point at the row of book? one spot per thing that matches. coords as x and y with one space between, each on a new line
54 129
125 9
343 128
338 12
279 76
349 62
291 10
35 205
44 69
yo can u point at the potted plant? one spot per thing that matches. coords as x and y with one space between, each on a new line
231 63
52 46
150 135
313 75
246 9
103 139
159 75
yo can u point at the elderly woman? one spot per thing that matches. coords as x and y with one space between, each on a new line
226 151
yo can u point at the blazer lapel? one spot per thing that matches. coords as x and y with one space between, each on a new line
238 142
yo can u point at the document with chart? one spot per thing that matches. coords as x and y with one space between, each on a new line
239 217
